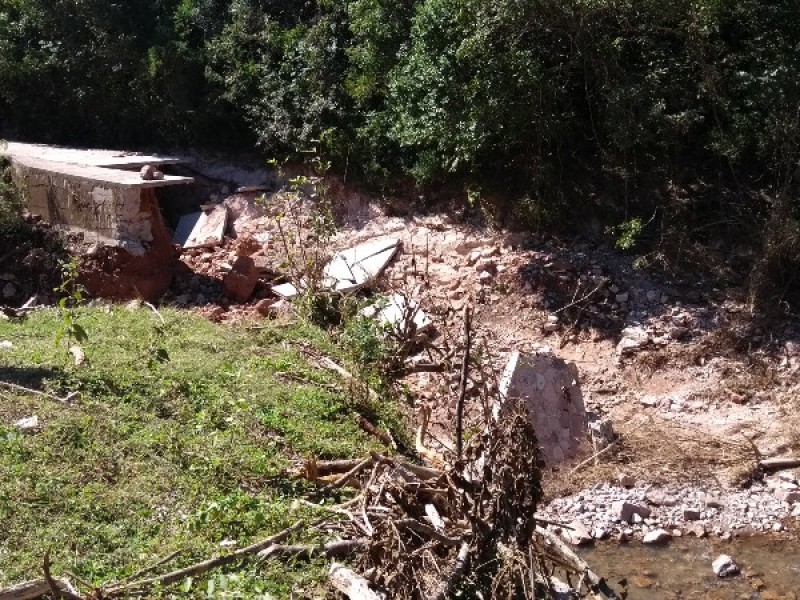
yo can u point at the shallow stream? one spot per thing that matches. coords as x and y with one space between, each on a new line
682 569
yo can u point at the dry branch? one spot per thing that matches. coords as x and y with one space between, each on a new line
335 549
30 590
139 587
462 385
779 463
26 390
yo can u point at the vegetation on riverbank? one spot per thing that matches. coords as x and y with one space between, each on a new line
157 457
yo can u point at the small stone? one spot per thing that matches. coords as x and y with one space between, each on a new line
777 527
691 514
724 566
9 290
148 172
599 533
627 481
714 502
6 345
623 297
652 295
697 529
657 536
263 306
678 333
485 277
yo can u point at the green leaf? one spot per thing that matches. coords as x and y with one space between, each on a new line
79 333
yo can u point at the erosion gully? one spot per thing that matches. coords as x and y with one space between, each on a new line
682 569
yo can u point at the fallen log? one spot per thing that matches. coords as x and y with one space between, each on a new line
31 590
351 584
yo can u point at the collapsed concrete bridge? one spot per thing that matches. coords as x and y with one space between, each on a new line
101 194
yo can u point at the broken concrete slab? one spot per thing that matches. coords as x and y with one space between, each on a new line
109 159
286 290
549 387
28 424
351 269
400 313
202 229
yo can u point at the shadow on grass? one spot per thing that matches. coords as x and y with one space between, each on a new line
30 377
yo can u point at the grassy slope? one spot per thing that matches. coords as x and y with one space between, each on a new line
180 456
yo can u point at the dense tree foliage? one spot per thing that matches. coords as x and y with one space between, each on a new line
630 105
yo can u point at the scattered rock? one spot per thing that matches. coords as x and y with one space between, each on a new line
724 566
691 514
623 297
624 511
627 481
656 536
6 345
577 534
697 529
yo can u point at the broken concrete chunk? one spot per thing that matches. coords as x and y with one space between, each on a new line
202 230
400 313
633 339
286 290
28 424
724 566
351 269
548 386
240 283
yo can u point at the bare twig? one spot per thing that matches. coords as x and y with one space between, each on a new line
139 587
26 390
335 549
345 478
56 590
153 567
462 386
460 565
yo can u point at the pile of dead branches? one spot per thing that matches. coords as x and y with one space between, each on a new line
426 534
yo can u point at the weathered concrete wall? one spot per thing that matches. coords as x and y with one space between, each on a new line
113 215
117 212
549 387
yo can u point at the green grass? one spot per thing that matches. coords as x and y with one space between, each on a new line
181 455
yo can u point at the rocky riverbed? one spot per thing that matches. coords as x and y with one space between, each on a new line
623 513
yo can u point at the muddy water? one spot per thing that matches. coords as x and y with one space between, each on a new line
682 570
